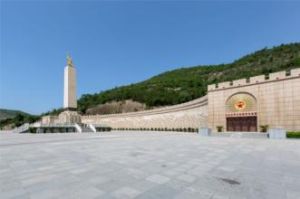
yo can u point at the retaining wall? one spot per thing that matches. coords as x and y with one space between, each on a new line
192 114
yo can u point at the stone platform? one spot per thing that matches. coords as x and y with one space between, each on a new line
147 165
241 134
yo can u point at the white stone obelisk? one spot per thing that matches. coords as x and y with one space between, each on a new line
70 99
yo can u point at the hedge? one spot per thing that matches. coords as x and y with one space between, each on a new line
293 134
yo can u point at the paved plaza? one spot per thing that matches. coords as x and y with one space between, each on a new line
147 165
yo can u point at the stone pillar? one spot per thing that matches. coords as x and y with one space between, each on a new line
70 99
277 133
205 131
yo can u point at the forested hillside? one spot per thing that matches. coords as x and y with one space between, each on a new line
185 84
6 113
12 118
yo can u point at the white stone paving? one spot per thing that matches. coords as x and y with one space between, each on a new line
147 165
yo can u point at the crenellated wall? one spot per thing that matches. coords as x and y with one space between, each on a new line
281 75
277 98
192 114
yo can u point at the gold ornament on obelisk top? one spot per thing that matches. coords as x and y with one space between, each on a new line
69 61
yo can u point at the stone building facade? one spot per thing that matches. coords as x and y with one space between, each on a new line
247 104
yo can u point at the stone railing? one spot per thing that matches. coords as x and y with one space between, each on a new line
281 75
21 129
92 127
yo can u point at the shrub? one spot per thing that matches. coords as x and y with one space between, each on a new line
32 130
264 128
293 134
100 129
220 128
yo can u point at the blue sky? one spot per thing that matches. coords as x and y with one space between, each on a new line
118 43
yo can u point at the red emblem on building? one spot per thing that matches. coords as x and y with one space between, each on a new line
240 105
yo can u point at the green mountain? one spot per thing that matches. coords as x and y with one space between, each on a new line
13 118
184 84
6 114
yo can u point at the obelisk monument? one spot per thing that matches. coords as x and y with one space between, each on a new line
69 115
70 101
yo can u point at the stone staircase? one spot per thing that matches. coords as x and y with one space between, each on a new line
86 128
22 129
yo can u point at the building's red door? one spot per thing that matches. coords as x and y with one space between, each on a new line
241 123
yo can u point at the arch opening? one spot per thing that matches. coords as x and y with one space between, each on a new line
241 112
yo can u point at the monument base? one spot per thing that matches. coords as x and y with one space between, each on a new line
69 117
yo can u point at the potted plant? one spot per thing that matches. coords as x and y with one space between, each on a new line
264 128
220 128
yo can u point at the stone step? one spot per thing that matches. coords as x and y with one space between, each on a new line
241 134
86 129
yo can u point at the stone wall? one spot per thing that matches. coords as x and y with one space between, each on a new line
192 114
50 119
276 102
277 97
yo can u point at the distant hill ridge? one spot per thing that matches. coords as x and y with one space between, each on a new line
10 119
7 113
185 84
